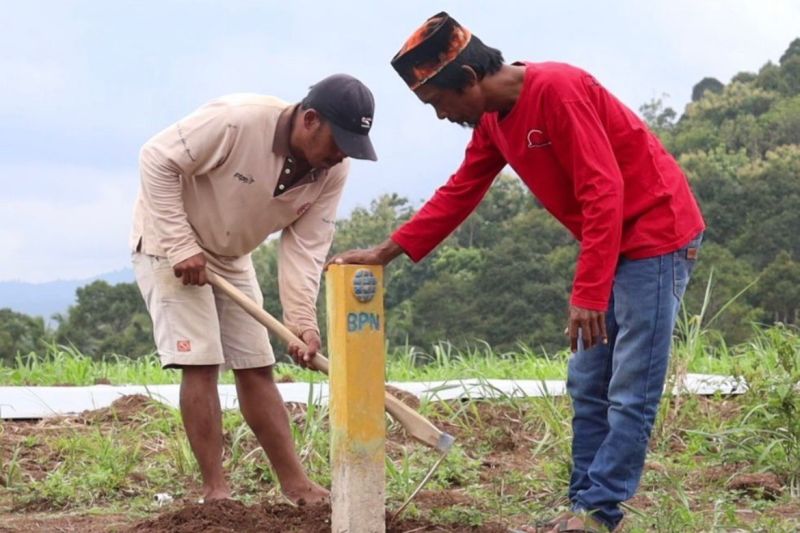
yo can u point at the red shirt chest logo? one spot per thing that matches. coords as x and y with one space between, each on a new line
537 139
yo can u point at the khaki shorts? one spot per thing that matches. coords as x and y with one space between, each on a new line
200 325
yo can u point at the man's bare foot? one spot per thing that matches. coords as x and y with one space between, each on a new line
311 494
210 495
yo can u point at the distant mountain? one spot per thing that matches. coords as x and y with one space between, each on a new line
46 299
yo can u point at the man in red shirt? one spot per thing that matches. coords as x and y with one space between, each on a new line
599 170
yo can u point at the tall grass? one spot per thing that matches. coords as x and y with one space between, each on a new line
122 466
65 365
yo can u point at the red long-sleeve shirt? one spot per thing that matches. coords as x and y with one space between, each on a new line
590 161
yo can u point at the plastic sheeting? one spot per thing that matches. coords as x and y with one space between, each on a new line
42 402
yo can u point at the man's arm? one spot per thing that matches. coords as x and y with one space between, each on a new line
192 146
303 247
444 212
582 147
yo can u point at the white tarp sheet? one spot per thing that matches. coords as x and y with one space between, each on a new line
41 402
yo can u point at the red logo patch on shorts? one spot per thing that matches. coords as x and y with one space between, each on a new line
185 346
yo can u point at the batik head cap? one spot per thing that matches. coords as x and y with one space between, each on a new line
433 46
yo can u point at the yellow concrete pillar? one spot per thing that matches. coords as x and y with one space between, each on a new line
356 322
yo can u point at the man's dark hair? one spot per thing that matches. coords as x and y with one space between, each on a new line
484 60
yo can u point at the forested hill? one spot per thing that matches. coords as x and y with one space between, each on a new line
740 145
504 276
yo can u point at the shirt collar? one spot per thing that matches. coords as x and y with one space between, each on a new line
280 142
283 131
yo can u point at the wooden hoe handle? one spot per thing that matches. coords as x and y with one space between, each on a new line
414 423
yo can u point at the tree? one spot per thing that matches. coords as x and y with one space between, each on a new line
367 227
790 70
445 308
506 199
744 77
778 291
724 276
265 263
19 334
770 210
714 176
734 100
660 119
706 84
791 52
526 282
107 319
770 78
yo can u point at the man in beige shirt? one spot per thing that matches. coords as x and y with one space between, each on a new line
213 187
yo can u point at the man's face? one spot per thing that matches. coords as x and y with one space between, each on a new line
320 148
464 108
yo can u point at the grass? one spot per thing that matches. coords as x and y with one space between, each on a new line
63 365
512 459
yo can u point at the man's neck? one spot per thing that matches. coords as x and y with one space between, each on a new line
502 89
295 141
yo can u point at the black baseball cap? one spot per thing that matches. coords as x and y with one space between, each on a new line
349 106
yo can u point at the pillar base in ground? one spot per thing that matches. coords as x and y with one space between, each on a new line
358 424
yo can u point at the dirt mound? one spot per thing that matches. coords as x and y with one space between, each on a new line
217 516
766 485
124 409
499 425
232 516
433 499
404 396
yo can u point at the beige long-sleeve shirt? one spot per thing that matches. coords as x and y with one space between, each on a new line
209 183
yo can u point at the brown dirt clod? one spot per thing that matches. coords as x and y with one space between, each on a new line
124 409
765 485
405 397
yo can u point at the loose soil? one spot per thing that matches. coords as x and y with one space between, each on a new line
501 435
766 485
233 516
125 409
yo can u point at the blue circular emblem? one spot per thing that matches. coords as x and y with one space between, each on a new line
364 285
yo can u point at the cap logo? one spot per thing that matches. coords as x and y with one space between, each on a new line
366 122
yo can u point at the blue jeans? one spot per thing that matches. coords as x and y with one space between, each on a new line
616 387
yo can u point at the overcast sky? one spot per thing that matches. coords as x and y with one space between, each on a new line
85 84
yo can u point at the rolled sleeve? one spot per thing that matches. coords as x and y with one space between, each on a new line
303 248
